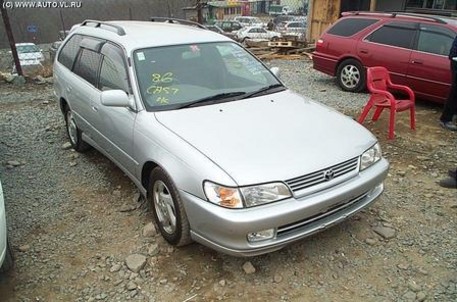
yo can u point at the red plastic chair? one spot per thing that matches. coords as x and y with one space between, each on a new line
379 84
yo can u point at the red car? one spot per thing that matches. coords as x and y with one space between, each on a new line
413 47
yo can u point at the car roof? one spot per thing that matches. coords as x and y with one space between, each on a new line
440 19
142 34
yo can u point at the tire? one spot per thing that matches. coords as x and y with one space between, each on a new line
74 133
351 76
167 207
8 261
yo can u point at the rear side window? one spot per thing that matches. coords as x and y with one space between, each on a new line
350 26
87 65
69 51
394 35
435 40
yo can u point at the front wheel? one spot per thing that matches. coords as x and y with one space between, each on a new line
167 207
351 75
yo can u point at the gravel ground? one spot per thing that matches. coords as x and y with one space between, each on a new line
80 232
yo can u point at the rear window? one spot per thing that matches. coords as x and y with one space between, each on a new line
350 26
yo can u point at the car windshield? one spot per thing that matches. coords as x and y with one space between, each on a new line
27 48
177 76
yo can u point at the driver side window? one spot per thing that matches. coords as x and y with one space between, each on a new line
113 72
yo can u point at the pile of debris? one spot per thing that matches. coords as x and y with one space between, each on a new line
286 48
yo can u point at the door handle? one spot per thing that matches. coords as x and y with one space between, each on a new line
417 62
69 89
94 108
364 51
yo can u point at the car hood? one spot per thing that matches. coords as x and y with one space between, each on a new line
270 138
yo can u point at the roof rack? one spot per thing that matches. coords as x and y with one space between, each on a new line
422 16
177 21
119 30
395 14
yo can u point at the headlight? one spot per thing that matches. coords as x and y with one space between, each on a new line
370 156
230 197
223 196
266 193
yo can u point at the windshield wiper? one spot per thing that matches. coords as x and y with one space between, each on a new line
264 90
213 99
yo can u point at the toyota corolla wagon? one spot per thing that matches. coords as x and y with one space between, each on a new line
224 152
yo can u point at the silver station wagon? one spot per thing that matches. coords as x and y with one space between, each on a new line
224 152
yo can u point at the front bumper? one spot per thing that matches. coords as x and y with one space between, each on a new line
226 230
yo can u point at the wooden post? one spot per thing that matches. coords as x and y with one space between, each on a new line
9 33
372 5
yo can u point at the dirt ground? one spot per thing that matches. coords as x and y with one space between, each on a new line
74 254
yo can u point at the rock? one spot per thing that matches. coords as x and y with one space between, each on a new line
127 208
131 286
13 163
18 81
248 268
149 230
135 262
421 296
163 281
409 296
222 283
153 249
277 278
8 77
115 268
401 173
39 80
384 232
73 163
403 266
413 286
24 248
371 241
66 146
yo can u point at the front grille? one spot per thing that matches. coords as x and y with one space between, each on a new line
286 229
315 178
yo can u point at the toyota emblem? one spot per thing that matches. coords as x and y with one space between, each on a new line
329 174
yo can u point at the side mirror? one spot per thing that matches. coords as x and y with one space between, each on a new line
115 98
276 71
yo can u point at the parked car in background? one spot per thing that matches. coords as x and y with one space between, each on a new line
229 25
30 57
225 154
29 54
413 47
294 28
276 9
254 32
249 21
217 29
6 256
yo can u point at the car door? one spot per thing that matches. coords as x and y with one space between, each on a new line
83 90
115 124
429 73
390 45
